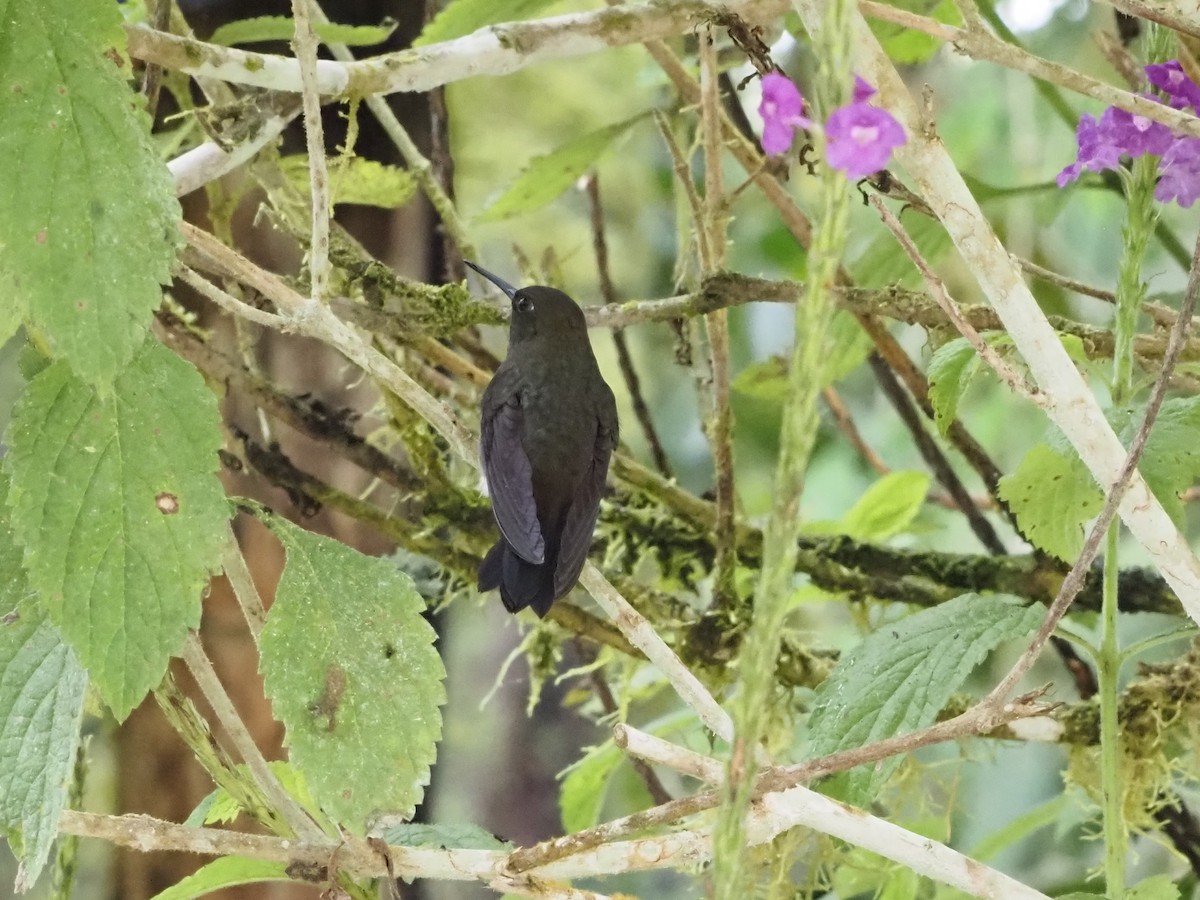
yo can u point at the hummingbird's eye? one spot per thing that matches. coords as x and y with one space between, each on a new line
524 304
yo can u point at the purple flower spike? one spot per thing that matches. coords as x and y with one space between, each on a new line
1179 173
1133 134
1181 91
1096 150
860 139
782 111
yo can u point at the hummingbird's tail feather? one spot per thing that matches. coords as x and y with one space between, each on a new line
521 583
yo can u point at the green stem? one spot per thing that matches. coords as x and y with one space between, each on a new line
1108 670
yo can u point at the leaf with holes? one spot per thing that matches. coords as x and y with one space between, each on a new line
352 673
1052 494
900 677
88 231
116 501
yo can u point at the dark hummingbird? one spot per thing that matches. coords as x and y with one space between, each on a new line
549 426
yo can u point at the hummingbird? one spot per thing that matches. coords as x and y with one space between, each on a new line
548 430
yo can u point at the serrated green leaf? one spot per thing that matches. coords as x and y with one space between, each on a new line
1171 461
766 380
228 871
887 507
42 688
884 263
584 787
900 677
443 837
282 28
951 369
88 231
547 176
350 667
355 180
461 17
1052 494
116 502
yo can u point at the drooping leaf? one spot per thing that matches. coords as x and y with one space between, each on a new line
461 17
351 670
443 837
42 688
900 677
951 369
582 793
282 28
356 180
1052 494
116 502
228 871
765 380
88 230
549 175
887 507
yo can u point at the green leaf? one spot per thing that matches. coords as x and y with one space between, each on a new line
117 504
549 175
88 232
884 263
1052 494
355 180
1156 887
282 28
887 507
900 677
1171 462
908 46
583 788
766 380
42 688
443 837
951 369
227 871
351 670
461 17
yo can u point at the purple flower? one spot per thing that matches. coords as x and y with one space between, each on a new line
1181 91
1101 144
862 91
782 111
860 139
1179 173
1135 135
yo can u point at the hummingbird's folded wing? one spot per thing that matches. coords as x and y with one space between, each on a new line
510 476
577 531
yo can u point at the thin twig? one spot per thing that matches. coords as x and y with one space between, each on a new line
244 588
214 692
654 786
845 424
227 301
653 749
624 358
305 45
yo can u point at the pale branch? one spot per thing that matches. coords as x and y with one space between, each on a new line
975 40
495 50
305 45
214 692
655 750
1177 14
207 162
1070 402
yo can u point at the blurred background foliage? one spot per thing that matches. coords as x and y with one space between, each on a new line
525 745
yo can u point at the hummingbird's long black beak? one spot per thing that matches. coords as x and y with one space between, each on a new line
508 289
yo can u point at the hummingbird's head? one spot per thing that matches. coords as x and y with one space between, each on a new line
539 312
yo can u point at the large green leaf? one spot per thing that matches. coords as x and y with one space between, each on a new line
900 677
1052 494
582 794
117 504
88 221
352 673
549 175
42 688
1171 462
461 17
887 507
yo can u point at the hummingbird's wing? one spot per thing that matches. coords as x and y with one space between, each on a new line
507 469
577 531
